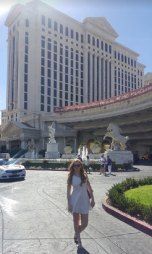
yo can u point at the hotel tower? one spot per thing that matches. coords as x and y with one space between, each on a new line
56 61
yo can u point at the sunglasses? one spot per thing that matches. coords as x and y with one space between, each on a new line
77 165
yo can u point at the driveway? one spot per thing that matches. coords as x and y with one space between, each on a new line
34 218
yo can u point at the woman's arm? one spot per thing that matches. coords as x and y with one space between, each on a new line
91 192
68 197
68 191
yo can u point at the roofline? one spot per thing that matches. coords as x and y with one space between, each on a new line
114 99
126 48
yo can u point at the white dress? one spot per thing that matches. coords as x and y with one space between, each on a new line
79 198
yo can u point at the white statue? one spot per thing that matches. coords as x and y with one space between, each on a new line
118 141
51 130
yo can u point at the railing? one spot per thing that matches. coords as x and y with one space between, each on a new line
115 99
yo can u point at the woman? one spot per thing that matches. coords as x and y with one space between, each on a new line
79 203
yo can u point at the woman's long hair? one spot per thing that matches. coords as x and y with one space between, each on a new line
71 172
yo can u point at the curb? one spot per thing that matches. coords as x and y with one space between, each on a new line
132 221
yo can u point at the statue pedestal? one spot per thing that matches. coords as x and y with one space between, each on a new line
52 151
120 157
68 156
94 155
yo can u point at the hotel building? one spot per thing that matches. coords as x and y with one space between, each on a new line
56 61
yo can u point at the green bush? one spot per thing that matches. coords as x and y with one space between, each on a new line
118 199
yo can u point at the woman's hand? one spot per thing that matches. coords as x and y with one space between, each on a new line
92 203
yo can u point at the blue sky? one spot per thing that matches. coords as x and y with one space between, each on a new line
132 20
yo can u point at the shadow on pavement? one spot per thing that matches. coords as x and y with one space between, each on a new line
82 251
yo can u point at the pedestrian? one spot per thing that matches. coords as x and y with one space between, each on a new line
109 164
87 164
79 204
103 163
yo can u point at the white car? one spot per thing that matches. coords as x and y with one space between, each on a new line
12 171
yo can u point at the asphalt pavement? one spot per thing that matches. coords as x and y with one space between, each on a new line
34 218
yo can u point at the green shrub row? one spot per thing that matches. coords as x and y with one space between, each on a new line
53 165
118 199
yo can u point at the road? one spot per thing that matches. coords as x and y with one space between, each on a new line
34 218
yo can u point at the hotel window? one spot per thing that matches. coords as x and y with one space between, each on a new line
49 63
25 87
122 57
55 57
42 71
102 45
25 78
135 63
55 26
125 59
43 61
43 20
66 61
25 68
66 31
61 49
49 55
115 54
55 75
27 23
49 45
97 78
61 28
110 49
131 62
106 47
42 43
77 36
26 49
118 56
93 41
61 87
66 87
49 73
89 38
26 40
55 47
26 58
61 59
82 38
97 43
128 60
93 76
118 75
25 105
49 23
49 91
61 67
42 80
72 34
42 107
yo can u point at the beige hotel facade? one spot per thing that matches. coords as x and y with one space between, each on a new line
56 61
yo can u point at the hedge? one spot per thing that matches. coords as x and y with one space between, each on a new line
118 199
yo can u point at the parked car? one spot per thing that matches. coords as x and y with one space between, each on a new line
12 171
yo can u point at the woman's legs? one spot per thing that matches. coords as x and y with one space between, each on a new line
80 222
76 223
84 222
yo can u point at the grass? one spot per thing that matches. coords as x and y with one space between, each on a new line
142 195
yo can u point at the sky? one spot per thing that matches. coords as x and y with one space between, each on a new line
131 19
